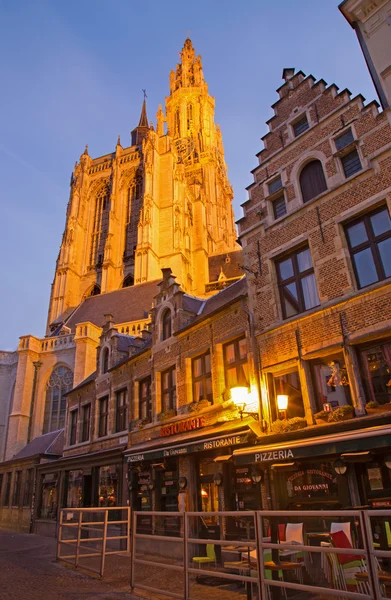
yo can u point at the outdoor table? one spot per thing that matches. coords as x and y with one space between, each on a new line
243 568
271 565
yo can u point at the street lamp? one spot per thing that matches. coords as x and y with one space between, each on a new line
387 461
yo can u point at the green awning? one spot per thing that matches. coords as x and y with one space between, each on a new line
373 438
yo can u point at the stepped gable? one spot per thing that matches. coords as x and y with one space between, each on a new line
128 304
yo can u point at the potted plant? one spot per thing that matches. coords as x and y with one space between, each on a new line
167 414
342 413
284 425
374 408
322 417
139 423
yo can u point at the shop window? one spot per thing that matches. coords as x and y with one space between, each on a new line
376 362
103 416
202 378
369 240
145 399
289 385
109 485
331 381
279 207
166 324
312 180
142 497
300 126
208 490
85 422
28 488
48 504
60 382
75 489
169 488
296 280
17 488
121 410
168 383
7 492
312 485
235 362
105 360
72 427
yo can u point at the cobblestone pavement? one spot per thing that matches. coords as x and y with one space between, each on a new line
29 571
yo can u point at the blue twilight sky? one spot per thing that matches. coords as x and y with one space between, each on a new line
72 71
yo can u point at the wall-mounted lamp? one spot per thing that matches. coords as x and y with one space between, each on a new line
387 461
282 404
218 478
239 394
340 467
256 475
151 486
182 482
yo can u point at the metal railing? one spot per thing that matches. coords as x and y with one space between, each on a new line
93 537
165 559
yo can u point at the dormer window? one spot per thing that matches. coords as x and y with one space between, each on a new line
105 360
166 324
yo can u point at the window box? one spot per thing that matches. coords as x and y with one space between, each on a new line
374 408
322 417
140 423
167 414
284 425
343 413
194 407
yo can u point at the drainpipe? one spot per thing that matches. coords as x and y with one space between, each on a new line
37 364
256 361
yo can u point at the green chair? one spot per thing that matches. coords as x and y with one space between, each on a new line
209 558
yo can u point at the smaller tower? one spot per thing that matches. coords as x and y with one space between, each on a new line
140 132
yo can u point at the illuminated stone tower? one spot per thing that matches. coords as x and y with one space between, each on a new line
164 201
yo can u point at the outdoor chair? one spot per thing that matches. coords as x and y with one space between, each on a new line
209 558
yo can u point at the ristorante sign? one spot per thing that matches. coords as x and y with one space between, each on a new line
182 426
233 440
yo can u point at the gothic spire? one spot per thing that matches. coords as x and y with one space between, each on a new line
143 117
189 71
142 128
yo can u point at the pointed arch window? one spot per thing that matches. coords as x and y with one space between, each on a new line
128 281
189 118
312 180
99 225
166 324
60 382
177 123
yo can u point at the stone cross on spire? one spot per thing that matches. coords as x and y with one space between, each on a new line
142 128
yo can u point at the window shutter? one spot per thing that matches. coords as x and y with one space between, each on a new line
312 180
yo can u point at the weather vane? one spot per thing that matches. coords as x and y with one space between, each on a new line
145 93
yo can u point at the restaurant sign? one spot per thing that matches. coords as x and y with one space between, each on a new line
285 454
182 426
201 446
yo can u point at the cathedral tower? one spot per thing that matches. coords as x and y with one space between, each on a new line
164 201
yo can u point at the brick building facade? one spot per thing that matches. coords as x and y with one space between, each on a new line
316 233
